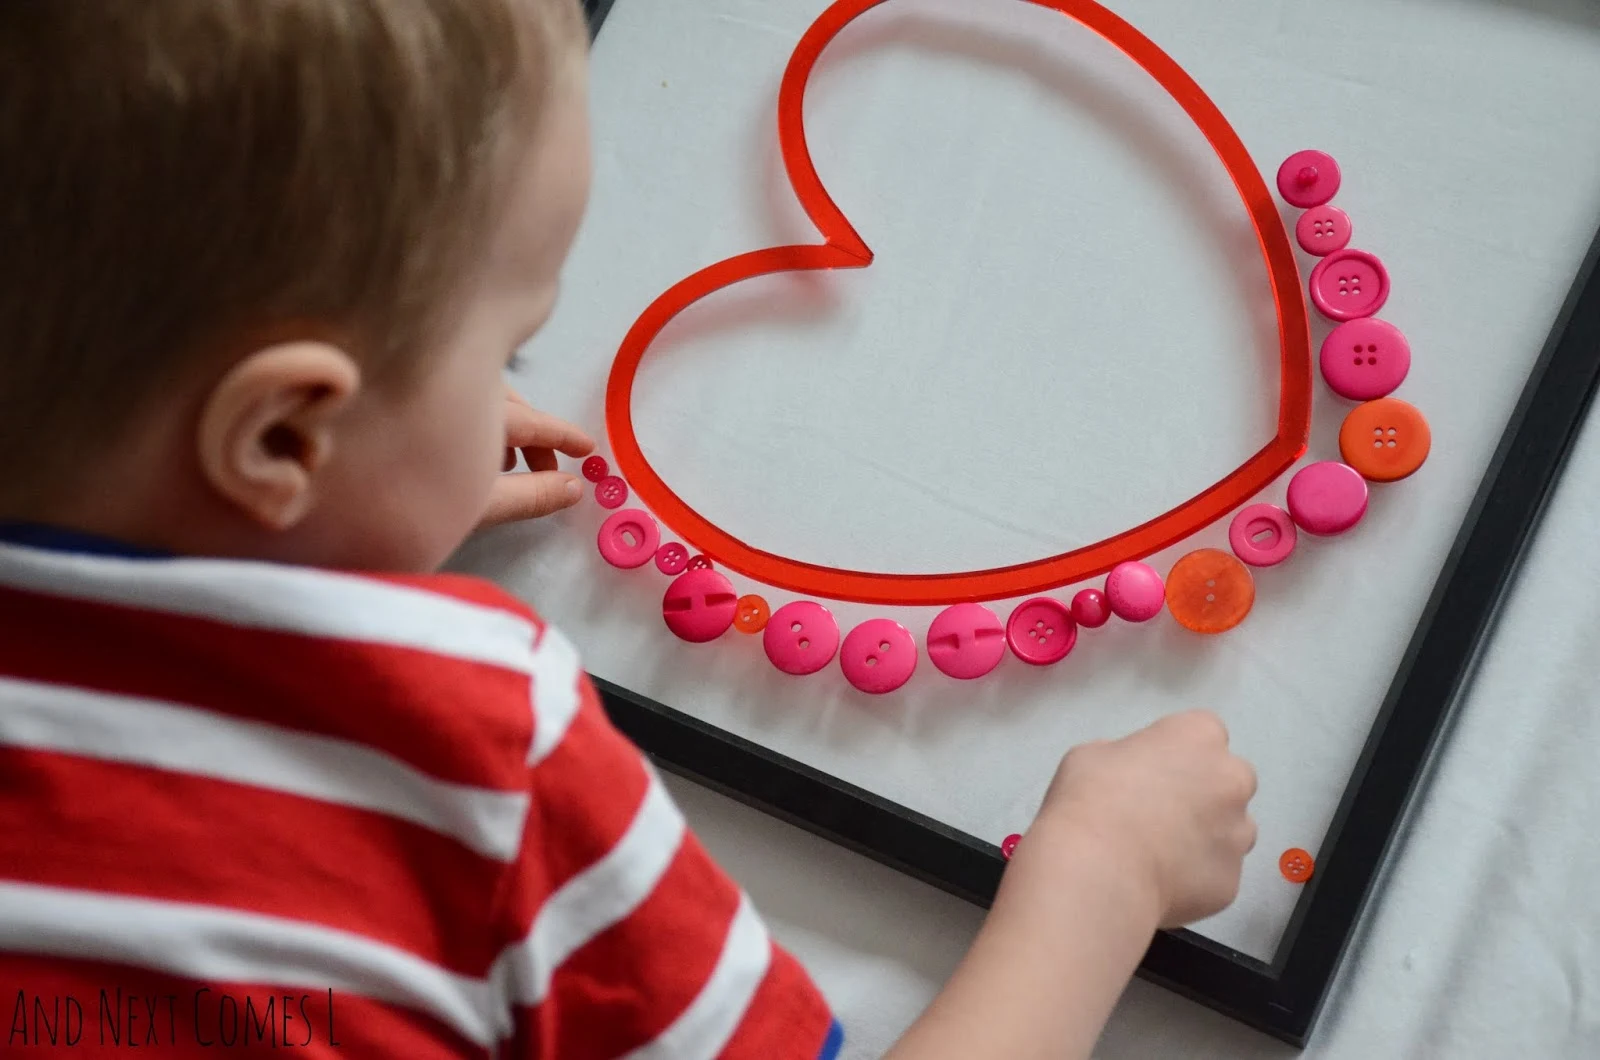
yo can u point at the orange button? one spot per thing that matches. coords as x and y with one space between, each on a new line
1210 591
750 614
1385 440
1296 865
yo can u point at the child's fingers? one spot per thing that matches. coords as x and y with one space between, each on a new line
530 496
528 428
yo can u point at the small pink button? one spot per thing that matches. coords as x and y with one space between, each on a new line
1008 845
1308 178
672 558
1365 359
1041 631
1327 498
595 468
701 561
1135 592
1262 535
611 492
801 637
966 641
1090 608
1322 230
878 656
628 538
699 606
1349 284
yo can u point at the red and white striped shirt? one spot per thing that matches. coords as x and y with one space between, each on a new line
250 804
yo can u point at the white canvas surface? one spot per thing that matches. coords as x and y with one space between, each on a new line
1066 331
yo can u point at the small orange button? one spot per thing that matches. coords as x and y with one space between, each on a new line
1210 591
1296 865
750 614
1385 440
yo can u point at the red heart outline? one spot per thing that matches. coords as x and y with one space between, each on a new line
843 248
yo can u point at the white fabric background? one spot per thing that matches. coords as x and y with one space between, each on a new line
1067 330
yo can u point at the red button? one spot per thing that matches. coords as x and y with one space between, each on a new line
1041 631
611 492
595 468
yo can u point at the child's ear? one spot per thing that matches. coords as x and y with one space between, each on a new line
268 427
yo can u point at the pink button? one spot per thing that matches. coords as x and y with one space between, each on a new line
628 538
1090 608
595 468
672 558
1135 592
1308 178
1349 284
966 641
700 561
1041 631
1327 498
1365 359
1262 535
1322 230
699 606
878 656
1008 845
801 637
611 492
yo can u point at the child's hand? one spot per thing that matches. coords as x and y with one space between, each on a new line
542 490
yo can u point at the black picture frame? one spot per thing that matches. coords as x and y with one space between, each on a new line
1284 997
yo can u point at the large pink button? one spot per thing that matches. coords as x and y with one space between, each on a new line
1090 608
1135 592
966 641
699 606
801 637
1365 359
611 492
628 538
1041 631
878 656
1262 535
1349 284
1322 230
1327 498
1308 178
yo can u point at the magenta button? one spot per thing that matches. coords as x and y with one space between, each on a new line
595 468
1262 535
628 538
966 641
672 558
1008 845
1135 592
1327 498
1365 359
1322 230
801 637
1308 178
1041 631
1090 608
611 492
878 656
1349 284
699 606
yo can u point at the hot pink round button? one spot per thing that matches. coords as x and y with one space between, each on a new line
1365 359
966 641
1327 498
878 656
1008 845
628 538
595 468
1322 230
699 606
1262 535
611 492
1308 178
1349 284
1041 631
801 637
672 558
1090 608
1135 591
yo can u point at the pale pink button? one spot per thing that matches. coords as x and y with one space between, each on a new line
1365 359
1008 845
611 492
1135 591
595 468
1322 230
1041 631
1308 178
1262 535
1090 608
672 558
699 606
1327 498
801 637
966 641
878 656
628 538
1349 284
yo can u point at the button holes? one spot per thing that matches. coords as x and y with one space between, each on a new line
883 645
804 643
1211 598
872 660
796 628
1050 632
1358 360
1372 360
1377 432
1372 349
1358 347
1392 443
1391 432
